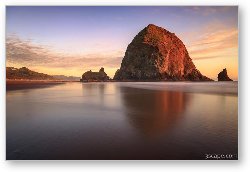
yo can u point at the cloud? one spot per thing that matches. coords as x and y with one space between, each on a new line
213 46
217 44
27 53
213 40
208 10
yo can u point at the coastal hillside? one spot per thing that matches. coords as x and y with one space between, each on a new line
25 73
156 54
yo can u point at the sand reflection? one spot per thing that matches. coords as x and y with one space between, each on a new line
153 112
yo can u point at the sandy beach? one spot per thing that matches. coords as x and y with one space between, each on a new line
28 84
112 120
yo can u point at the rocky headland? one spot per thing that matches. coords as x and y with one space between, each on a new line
26 74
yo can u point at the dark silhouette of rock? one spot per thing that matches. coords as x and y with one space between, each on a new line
222 76
157 54
25 73
101 70
90 76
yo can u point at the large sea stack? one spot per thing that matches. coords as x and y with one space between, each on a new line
156 54
222 76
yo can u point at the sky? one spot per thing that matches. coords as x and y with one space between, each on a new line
69 40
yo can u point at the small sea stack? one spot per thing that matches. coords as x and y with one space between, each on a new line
222 76
90 76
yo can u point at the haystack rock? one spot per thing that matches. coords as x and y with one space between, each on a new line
222 76
95 76
156 54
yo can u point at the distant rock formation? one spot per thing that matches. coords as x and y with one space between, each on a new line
157 54
26 74
66 78
222 76
90 76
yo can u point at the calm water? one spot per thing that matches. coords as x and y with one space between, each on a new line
123 121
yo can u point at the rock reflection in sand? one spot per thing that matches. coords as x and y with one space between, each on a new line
153 112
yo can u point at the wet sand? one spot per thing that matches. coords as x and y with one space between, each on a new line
125 121
28 84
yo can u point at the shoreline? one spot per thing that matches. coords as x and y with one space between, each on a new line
12 84
28 84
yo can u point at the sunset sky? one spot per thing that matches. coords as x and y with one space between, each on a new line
72 40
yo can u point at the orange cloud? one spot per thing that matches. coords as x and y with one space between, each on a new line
213 48
43 59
